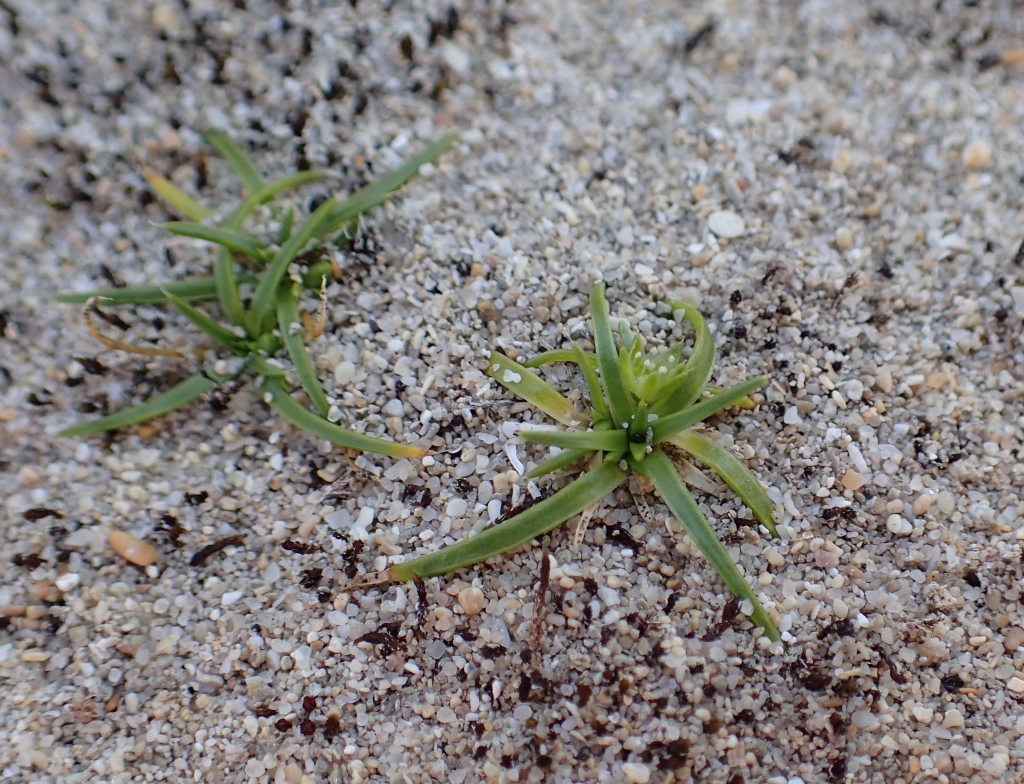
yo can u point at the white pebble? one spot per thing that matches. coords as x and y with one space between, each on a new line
898 526
471 600
494 509
68 582
946 502
863 719
230 598
726 224
854 389
792 416
447 716
456 507
636 772
996 766
858 459
954 718
344 372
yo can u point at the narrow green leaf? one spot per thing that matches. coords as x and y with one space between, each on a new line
377 192
227 287
268 192
675 495
177 199
263 301
279 400
619 400
732 470
697 369
596 440
564 458
744 402
286 226
626 365
188 289
251 179
638 426
670 425
528 524
175 397
548 357
287 316
234 241
218 332
264 367
588 365
530 387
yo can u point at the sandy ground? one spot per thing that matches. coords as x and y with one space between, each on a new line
868 159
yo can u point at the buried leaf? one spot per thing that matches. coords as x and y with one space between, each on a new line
177 396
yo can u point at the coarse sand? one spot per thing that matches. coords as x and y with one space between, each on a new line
837 186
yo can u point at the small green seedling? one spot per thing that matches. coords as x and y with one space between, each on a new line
271 322
639 403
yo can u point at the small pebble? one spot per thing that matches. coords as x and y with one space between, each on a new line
853 480
953 719
471 600
946 502
132 548
457 507
636 772
996 766
40 760
844 238
977 154
726 224
68 582
898 526
1013 639
827 559
922 504
1015 685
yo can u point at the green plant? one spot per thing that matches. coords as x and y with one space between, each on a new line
640 402
257 333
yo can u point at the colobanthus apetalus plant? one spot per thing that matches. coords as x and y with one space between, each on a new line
278 272
640 402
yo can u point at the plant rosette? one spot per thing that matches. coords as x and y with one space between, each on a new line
254 335
641 403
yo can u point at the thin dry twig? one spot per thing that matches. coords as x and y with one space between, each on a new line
315 329
119 345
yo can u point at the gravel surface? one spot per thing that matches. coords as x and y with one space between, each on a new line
837 186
